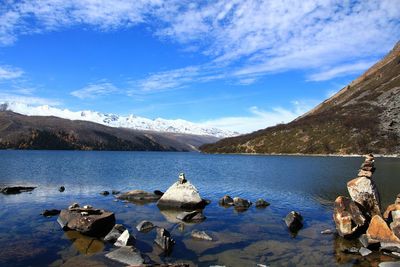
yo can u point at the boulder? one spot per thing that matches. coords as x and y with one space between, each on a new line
364 173
294 221
364 251
11 190
183 195
164 240
201 235
145 226
115 233
49 213
139 196
88 221
191 216
61 189
379 231
104 193
226 201
158 193
348 217
125 239
261 203
241 203
387 215
128 255
364 191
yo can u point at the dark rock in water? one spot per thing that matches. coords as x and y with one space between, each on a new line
139 197
158 193
241 203
364 191
88 221
115 192
348 217
164 240
128 255
191 216
9 190
125 239
364 251
181 195
294 221
49 213
61 189
115 233
104 193
352 250
201 235
145 226
226 201
261 203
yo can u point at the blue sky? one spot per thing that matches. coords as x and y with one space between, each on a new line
238 65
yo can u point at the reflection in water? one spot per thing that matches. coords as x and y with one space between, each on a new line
84 244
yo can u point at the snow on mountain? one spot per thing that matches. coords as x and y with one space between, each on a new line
112 120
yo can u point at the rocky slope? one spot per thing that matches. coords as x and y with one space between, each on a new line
44 132
362 117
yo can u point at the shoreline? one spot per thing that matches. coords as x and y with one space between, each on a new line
307 155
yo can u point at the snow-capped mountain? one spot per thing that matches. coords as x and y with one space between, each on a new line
112 120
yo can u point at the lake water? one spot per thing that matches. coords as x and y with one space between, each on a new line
257 236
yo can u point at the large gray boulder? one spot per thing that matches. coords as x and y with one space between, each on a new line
182 195
348 217
364 191
115 233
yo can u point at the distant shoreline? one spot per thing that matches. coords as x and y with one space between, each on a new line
308 155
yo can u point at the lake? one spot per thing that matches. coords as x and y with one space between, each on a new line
307 184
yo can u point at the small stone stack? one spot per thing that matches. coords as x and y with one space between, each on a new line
360 216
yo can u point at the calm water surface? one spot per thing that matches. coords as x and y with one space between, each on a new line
257 236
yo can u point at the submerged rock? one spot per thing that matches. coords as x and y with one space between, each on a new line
183 195
115 192
201 235
191 216
261 203
128 255
104 193
364 191
164 240
145 226
49 213
125 239
88 221
241 203
226 201
348 217
139 196
327 232
10 190
115 233
294 221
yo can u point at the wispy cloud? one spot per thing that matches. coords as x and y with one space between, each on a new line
95 90
29 100
8 73
260 119
341 71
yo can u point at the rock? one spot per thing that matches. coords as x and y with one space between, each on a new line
397 201
364 191
226 201
139 196
352 250
367 243
182 178
201 235
391 247
11 190
326 232
364 251
294 221
164 240
104 193
261 203
389 264
241 203
145 226
191 216
87 207
158 193
49 213
115 192
73 206
115 233
125 239
128 255
379 231
387 215
61 189
367 163
364 173
348 217
96 223
182 196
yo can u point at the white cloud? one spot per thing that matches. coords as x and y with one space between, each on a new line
9 73
341 71
95 90
260 119
29 100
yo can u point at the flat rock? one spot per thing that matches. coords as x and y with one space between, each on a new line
364 251
389 264
115 233
125 239
364 191
191 216
89 221
378 230
201 235
52 212
145 226
294 221
348 217
128 255
11 190
261 203
139 196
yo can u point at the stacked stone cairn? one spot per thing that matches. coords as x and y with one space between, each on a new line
360 215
